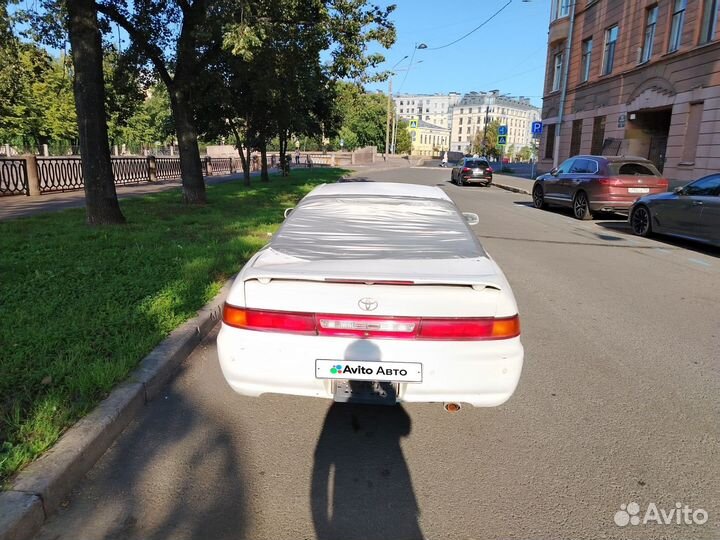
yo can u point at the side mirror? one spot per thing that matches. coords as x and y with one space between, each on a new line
554 171
472 219
287 212
680 190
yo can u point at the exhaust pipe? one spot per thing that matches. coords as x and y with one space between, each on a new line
452 407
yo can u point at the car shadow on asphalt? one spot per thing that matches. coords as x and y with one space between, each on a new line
361 485
623 227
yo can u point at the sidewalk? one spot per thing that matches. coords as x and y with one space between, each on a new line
20 206
513 183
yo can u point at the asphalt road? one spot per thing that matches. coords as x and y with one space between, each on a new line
619 402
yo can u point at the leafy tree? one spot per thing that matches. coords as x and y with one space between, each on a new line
36 99
152 122
489 146
275 84
101 203
525 153
124 94
403 143
364 114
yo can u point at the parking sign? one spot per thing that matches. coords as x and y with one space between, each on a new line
537 128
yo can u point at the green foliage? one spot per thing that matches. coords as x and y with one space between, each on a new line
403 141
152 122
104 308
36 99
124 94
490 148
525 153
363 114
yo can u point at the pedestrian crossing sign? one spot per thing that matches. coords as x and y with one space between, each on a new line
502 140
413 124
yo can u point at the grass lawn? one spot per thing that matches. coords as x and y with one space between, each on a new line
80 306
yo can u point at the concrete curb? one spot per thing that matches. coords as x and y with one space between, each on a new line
40 488
511 188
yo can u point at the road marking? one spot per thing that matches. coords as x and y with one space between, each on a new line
699 261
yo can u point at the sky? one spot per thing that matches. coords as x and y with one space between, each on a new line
508 53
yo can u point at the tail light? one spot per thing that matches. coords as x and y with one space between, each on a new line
609 182
448 329
466 169
271 321
470 329
489 169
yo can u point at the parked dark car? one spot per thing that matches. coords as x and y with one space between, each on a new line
691 212
594 184
472 170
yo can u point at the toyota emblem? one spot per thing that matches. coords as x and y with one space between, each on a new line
368 304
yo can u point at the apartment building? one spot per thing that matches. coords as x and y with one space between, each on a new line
434 109
428 139
477 109
640 78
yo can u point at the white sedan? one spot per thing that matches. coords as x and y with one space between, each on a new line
373 292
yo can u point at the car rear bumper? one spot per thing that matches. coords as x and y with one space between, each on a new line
480 373
477 179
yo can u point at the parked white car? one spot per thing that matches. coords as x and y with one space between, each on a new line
373 292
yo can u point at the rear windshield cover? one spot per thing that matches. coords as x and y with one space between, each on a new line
633 168
322 228
475 163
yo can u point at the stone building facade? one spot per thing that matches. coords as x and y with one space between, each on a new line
643 79
469 117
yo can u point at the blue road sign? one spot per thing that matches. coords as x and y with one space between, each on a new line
537 128
502 130
502 140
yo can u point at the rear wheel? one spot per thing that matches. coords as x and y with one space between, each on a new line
640 221
581 206
538 196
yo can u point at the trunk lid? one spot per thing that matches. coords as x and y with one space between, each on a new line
428 287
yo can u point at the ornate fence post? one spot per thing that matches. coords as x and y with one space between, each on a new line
152 168
208 161
33 176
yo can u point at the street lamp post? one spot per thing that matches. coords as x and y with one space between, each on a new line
387 122
487 119
389 100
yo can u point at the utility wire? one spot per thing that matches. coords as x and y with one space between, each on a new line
473 30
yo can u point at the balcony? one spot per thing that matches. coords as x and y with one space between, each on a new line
559 30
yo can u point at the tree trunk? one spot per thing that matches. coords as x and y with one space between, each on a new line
101 203
264 177
244 160
190 164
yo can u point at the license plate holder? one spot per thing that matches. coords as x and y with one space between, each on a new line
366 392
638 190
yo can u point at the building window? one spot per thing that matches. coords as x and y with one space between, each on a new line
709 20
550 141
557 71
676 26
460 121
576 137
650 25
459 131
611 36
586 59
598 136
560 8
